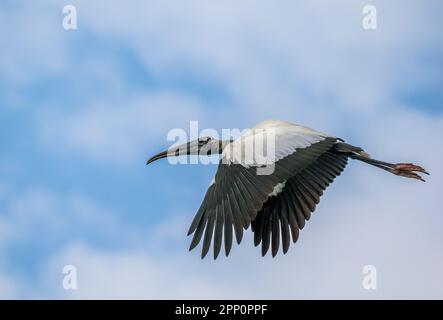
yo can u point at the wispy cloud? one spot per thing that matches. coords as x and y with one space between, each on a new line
119 131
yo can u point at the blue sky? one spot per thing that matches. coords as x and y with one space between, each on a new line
81 111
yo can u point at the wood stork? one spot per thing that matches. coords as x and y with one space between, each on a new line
276 205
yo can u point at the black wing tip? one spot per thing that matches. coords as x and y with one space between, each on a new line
195 241
204 253
217 250
273 254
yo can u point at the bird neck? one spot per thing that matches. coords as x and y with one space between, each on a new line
223 144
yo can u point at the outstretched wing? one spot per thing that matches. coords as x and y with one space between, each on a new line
288 211
238 192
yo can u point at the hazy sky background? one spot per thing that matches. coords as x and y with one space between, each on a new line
81 111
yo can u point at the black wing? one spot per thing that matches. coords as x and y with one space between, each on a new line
288 211
238 193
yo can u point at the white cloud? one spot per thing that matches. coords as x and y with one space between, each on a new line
8 288
38 48
139 276
122 131
26 216
271 46
307 62
25 213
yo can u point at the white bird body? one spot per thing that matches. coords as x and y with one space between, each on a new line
286 138
276 203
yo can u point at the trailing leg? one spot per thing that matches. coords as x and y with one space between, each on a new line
408 170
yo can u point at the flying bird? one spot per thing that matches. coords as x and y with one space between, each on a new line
278 201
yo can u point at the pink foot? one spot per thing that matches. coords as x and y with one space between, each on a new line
409 170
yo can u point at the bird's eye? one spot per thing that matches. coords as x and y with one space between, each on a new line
203 141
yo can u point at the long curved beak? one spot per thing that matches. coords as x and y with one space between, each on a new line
158 156
184 149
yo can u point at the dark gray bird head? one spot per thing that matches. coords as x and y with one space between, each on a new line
200 146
